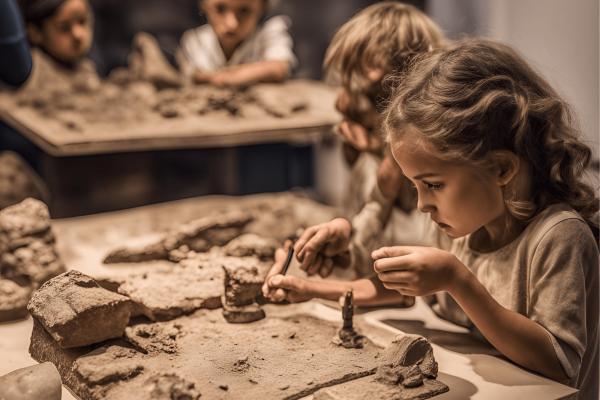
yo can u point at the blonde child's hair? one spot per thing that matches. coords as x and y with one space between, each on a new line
468 101
383 36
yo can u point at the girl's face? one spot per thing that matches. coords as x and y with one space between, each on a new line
233 20
67 34
456 199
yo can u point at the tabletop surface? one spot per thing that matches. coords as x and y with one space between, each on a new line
310 124
470 371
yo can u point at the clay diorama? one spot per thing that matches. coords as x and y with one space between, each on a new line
148 90
28 257
197 326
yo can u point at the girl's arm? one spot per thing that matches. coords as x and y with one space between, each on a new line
367 292
420 271
514 335
264 71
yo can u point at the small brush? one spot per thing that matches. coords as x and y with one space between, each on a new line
289 259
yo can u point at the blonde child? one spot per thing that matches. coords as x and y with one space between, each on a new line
235 47
376 41
513 237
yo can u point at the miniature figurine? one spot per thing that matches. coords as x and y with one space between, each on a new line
350 339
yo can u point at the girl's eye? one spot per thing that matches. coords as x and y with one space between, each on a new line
221 8
433 186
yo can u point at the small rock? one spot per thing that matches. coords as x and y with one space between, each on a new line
224 387
40 381
243 314
171 386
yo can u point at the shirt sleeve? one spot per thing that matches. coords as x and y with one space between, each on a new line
277 42
14 47
565 260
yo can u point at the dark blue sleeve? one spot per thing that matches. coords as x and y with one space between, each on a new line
15 58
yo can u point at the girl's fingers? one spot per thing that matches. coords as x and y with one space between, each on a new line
315 266
303 240
396 286
401 263
404 277
284 282
310 250
326 267
394 251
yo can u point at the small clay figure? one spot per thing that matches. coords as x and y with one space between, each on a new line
350 339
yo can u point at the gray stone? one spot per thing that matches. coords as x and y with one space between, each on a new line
77 312
41 381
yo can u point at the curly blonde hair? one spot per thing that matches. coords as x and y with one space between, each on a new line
479 96
383 36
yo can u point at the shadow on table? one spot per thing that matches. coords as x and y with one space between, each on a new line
460 389
464 343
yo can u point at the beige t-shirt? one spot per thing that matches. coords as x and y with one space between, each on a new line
548 274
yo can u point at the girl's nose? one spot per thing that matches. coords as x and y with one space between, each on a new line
231 21
425 206
79 31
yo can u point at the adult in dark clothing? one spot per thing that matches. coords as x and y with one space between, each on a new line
15 67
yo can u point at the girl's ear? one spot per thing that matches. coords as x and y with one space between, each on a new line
506 166
34 34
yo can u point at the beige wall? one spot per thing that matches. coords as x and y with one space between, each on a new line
560 37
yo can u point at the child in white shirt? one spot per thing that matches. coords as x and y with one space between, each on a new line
235 47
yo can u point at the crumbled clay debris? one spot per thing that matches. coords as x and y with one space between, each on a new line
171 386
154 337
198 235
77 312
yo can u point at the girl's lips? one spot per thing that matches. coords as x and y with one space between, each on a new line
442 225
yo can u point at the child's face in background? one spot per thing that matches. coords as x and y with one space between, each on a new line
67 34
456 199
233 20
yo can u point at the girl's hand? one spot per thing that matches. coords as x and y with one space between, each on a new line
320 243
418 271
295 290
358 137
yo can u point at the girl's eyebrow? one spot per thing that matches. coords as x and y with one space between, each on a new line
425 175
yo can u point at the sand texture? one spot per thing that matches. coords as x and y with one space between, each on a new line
275 358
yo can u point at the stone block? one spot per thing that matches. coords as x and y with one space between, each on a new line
77 312
244 278
164 294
